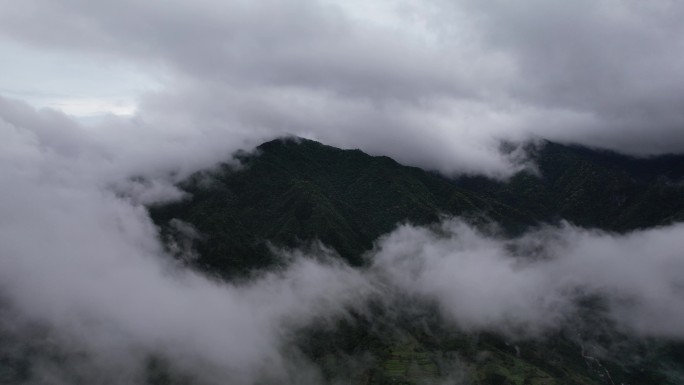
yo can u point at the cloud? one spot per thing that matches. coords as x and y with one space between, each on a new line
534 284
617 62
83 260
80 255
435 84
88 265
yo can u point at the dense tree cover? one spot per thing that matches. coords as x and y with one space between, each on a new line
292 191
592 188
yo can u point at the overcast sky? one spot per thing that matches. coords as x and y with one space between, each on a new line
433 83
95 92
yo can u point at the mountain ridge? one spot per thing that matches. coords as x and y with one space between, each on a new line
291 191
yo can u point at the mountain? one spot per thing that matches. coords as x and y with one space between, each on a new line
592 188
292 191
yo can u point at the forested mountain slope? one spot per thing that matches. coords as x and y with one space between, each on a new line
292 191
592 188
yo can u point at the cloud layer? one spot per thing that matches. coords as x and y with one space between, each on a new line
434 84
80 256
535 284
87 263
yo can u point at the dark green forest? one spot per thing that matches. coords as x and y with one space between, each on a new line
290 192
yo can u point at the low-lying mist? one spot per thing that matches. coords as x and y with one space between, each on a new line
90 294
535 283
106 297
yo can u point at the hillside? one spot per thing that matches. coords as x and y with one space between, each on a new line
592 188
290 192
293 191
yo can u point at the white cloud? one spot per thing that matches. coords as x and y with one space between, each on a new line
532 285
88 264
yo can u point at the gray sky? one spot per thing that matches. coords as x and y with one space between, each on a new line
433 84
79 84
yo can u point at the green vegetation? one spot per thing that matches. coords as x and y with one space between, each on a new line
402 353
291 192
295 191
592 188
